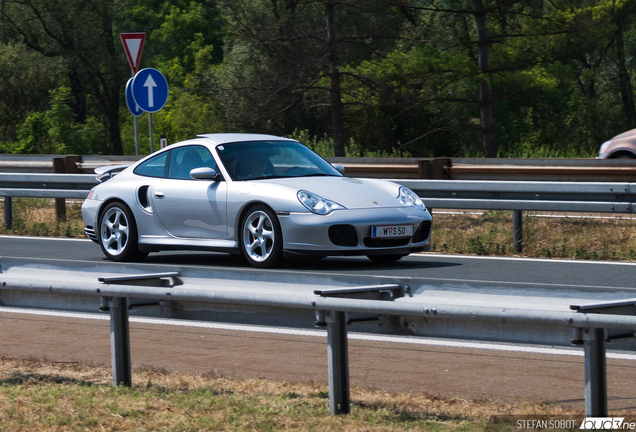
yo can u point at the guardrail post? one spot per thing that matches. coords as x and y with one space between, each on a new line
517 230
434 168
64 165
8 212
120 341
59 167
339 402
595 373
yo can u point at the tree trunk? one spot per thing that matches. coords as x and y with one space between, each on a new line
485 99
113 84
78 95
334 74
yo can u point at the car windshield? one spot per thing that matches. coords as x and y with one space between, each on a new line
257 160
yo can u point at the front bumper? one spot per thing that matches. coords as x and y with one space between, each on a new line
309 234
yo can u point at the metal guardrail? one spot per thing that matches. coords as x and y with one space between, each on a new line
59 186
491 195
45 164
555 170
518 196
532 196
511 312
577 170
75 186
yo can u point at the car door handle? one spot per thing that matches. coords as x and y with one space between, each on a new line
160 194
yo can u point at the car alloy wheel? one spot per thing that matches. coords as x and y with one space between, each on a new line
118 234
261 239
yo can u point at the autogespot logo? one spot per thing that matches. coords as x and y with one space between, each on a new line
607 423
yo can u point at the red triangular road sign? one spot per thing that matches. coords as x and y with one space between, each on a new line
133 44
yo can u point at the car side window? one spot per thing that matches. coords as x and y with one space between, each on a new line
154 167
185 159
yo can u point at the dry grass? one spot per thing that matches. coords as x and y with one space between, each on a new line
36 216
558 237
41 395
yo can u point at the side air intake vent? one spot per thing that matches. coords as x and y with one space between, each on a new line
142 196
423 231
343 235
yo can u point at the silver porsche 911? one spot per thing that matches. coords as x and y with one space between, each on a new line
261 196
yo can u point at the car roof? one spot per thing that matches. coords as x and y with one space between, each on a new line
224 138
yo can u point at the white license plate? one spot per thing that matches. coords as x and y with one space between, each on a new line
391 231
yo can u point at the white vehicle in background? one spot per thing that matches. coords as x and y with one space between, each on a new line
622 146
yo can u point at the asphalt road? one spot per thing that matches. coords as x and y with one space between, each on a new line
526 271
498 375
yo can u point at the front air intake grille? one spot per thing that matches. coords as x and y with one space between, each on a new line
343 235
90 232
423 231
382 243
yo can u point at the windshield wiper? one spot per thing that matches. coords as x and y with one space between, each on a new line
267 177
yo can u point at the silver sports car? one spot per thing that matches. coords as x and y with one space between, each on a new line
261 196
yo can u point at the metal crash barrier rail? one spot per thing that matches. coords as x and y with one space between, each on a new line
516 169
518 196
336 301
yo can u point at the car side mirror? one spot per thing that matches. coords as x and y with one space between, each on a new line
339 168
204 173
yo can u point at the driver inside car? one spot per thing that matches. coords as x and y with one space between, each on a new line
255 165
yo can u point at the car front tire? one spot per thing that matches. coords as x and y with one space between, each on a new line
261 237
118 234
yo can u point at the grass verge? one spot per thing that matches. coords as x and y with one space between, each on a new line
41 395
548 237
36 216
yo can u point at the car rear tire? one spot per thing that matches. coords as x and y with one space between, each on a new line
261 237
118 234
385 258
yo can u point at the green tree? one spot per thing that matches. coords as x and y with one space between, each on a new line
55 131
284 61
25 80
82 34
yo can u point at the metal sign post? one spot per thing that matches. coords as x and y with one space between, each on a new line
152 146
136 138
134 110
150 92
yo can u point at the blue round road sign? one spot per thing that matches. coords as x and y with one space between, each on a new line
150 90
130 101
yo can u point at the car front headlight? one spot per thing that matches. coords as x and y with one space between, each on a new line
317 204
604 146
408 198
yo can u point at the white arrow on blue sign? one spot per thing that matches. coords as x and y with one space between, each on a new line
130 101
150 90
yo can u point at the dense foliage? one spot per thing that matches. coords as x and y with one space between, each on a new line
507 78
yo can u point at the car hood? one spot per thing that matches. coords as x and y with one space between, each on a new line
353 193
